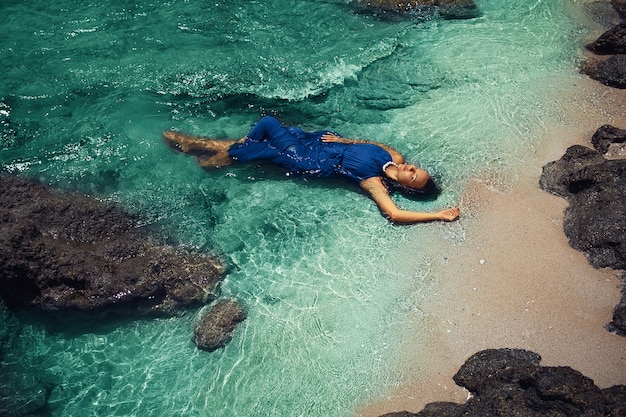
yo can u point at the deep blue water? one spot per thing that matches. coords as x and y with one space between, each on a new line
330 285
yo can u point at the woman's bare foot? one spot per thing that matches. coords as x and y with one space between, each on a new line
177 140
192 144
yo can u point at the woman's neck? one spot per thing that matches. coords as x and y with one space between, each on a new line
390 169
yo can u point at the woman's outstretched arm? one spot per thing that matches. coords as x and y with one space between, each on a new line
377 190
395 155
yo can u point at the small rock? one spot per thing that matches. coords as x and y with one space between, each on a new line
215 328
607 135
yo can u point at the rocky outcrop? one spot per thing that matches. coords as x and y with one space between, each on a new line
62 251
450 9
620 7
595 187
618 324
511 382
610 71
606 136
215 328
611 42
594 222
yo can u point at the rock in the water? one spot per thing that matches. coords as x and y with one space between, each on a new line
595 187
65 251
511 382
215 328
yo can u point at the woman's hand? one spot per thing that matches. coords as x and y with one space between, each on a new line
449 214
331 137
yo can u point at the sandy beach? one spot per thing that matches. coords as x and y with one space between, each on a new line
515 282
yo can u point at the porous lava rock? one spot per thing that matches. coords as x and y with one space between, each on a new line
618 324
215 329
512 382
595 187
594 222
620 7
607 135
610 72
611 42
63 251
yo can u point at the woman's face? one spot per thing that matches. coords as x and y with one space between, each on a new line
411 176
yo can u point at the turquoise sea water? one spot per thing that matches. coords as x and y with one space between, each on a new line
330 286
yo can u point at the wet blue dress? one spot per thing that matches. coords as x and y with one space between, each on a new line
304 153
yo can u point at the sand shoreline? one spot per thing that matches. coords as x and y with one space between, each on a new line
515 281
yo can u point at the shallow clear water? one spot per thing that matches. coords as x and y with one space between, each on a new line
329 285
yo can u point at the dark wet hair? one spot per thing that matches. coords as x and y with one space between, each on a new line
430 190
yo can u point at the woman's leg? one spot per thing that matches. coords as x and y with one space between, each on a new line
194 144
189 143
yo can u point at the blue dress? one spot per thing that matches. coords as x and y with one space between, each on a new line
304 153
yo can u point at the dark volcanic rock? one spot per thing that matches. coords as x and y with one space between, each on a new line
489 367
616 400
605 136
437 409
620 7
595 221
611 71
64 251
611 42
595 187
511 382
451 9
578 394
215 328
618 325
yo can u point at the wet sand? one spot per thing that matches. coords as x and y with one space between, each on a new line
514 281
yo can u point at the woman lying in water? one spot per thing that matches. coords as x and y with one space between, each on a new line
373 166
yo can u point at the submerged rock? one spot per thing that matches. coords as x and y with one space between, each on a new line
450 9
216 327
64 251
511 382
